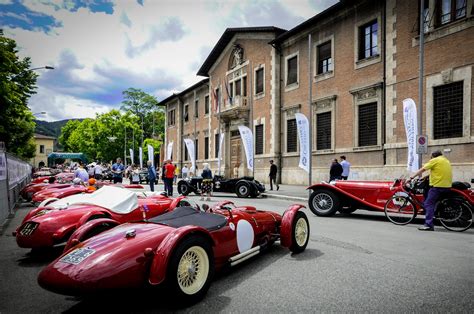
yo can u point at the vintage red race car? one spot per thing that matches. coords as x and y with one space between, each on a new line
28 191
180 249
348 196
55 193
54 223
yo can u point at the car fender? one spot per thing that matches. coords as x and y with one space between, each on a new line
47 201
91 214
164 251
62 232
80 232
287 223
175 202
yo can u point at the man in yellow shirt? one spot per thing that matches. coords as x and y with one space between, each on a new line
441 178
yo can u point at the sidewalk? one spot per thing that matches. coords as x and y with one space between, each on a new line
288 192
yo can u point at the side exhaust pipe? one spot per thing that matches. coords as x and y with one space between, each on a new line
237 259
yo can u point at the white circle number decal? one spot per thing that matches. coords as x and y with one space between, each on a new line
245 235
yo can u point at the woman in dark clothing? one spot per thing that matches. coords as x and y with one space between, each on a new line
151 175
206 188
335 172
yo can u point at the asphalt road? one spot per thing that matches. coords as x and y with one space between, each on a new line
354 263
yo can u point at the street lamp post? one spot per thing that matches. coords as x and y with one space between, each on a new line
47 67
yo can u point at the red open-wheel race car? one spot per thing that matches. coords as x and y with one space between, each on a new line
180 249
54 222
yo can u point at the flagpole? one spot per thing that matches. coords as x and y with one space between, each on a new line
310 118
420 79
251 115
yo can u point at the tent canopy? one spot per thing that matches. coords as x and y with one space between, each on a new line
54 156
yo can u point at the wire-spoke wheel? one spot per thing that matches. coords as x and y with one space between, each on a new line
300 230
190 269
454 214
324 203
193 270
400 210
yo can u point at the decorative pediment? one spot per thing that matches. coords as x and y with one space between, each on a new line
236 56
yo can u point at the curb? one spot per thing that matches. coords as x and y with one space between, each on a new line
285 197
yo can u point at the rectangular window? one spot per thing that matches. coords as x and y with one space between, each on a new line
196 108
292 66
231 89
196 149
171 117
291 136
206 104
206 147
323 131
368 40
368 124
216 144
324 58
448 110
218 95
186 113
259 139
450 10
259 81
186 155
238 88
41 149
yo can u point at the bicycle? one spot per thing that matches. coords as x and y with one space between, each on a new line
453 209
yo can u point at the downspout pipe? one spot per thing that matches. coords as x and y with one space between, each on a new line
278 119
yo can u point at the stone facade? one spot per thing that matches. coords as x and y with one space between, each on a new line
348 69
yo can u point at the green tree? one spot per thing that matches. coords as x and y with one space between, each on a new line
66 132
17 84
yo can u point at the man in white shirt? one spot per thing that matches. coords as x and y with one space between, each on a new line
184 171
98 171
346 167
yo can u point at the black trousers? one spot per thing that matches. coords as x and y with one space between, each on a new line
117 180
273 180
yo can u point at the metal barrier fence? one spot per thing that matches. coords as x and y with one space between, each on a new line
14 175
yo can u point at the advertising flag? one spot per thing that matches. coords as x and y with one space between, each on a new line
411 129
140 152
190 147
219 155
247 139
303 132
169 150
151 154
131 156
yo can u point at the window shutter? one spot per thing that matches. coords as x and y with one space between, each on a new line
291 136
323 131
259 139
368 124
448 110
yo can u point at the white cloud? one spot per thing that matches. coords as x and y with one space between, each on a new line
158 47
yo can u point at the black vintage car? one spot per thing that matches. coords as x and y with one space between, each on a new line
243 187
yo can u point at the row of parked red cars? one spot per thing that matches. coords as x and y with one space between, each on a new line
127 237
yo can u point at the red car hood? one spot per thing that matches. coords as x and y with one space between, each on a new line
115 261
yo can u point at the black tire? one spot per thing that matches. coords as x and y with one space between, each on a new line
455 214
324 203
347 210
299 233
400 210
242 189
183 189
199 249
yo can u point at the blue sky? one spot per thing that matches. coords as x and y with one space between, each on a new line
100 48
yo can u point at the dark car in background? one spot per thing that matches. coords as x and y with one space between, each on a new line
243 187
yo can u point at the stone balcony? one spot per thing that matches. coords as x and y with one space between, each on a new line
238 109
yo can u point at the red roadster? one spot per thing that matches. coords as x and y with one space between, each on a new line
180 249
46 193
29 190
347 196
54 223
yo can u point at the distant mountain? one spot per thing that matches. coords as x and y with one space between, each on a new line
51 128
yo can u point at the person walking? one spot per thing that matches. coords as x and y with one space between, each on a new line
336 171
169 177
441 180
206 188
135 175
151 175
346 167
98 171
273 175
117 171
81 173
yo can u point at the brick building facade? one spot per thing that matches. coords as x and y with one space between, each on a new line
358 60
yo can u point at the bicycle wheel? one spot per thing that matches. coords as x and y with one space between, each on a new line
400 210
454 214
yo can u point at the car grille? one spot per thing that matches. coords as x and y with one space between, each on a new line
28 228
